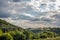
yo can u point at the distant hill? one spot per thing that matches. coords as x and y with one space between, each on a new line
38 30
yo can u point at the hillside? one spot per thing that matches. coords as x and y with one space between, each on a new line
12 32
5 26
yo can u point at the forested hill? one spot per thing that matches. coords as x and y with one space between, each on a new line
3 23
5 26
12 32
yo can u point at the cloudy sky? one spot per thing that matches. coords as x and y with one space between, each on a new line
31 13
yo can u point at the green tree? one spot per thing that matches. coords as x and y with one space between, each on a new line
43 35
6 36
17 35
29 34
51 34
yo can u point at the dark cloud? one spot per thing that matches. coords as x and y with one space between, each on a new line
4 14
47 20
2 4
21 0
4 9
16 0
36 19
57 16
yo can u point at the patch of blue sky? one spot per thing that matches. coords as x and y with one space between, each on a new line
37 14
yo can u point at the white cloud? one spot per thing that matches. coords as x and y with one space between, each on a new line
26 14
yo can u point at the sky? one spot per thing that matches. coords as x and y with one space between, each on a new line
31 13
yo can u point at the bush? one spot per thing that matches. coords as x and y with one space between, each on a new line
43 35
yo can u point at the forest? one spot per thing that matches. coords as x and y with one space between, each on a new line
12 32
